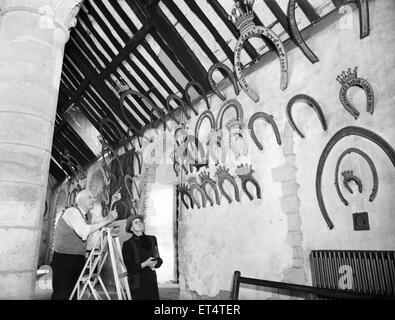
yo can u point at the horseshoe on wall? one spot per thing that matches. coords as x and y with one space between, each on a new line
372 168
311 103
363 9
184 191
258 31
199 88
349 79
231 103
230 76
152 105
223 174
205 181
244 172
269 119
193 185
207 114
137 155
293 26
71 197
180 103
170 111
349 176
107 121
133 182
346 131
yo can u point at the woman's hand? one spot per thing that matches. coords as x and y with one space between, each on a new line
150 262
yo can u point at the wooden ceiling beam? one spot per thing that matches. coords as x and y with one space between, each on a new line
175 42
98 84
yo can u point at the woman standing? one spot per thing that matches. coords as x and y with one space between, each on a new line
141 256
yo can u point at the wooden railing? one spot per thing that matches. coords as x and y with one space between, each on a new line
312 292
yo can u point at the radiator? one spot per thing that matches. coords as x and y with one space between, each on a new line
359 271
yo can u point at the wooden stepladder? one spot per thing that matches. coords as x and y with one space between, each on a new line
89 279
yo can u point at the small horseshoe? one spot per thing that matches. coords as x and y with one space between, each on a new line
269 119
231 103
255 183
199 88
311 103
348 179
354 81
205 181
372 168
195 200
184 191
230 76
223 174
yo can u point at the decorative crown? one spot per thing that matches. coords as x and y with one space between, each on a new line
183 188
192 180
242 17
204 176
222 172
244 170
348 174
346 76
120 85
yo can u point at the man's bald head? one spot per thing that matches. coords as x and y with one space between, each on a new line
85 199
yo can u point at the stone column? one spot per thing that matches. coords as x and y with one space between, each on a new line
33 34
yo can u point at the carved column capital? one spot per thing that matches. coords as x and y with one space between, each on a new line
53 13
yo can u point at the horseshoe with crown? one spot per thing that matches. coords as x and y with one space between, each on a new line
350 79
242 16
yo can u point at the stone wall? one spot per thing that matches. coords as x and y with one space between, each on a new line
272 238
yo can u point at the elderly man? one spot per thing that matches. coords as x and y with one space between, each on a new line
71 233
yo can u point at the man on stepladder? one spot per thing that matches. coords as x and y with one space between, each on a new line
71 233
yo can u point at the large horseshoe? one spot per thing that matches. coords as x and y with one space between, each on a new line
358 131
230 75
363 9
258 31
152 105
269 119
348 80
231 103
372 168
293 26
311 103
199 88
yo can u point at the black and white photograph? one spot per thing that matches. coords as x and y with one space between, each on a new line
197 154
